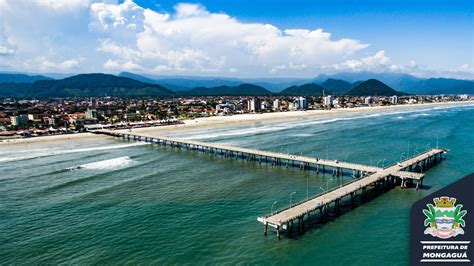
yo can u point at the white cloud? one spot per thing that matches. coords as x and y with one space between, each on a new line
127 16
62 5
66 65
377 62
95 35
4 50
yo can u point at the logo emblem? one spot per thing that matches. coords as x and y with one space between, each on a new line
444 219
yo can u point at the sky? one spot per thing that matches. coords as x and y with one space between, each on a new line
238 38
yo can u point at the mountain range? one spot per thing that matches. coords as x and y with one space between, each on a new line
372 87
309 89
83 85
130 84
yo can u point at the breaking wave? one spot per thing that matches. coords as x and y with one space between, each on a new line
60 152
106 164
256 130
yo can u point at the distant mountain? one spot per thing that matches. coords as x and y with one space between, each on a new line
310 89
441 86
372 87
408 83
21 78
183 83
391 79
11 89
240 90
180 83
84 85
337 85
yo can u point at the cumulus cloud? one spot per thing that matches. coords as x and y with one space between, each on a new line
126 16
377 62
95 35
4 50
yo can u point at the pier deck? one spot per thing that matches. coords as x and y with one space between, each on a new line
280 219
406 172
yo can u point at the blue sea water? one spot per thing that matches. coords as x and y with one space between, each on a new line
103 200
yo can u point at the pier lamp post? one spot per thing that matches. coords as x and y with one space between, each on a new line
379 161
383 163
345 158
307 187
327 184
402 156
327 151
291 194
272 206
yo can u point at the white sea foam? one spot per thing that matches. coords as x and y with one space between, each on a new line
255 130
106 164
60 152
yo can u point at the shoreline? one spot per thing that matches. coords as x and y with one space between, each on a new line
241 119
249 119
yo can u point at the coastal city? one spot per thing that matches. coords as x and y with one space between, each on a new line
139 132
30 118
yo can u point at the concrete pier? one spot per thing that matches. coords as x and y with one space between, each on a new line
409 172
381 180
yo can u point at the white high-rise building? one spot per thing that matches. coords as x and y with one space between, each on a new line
328 101
19 120
394 99
276 104
369 100
254 105
302 103
91 113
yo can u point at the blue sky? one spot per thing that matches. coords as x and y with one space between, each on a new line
439 33
424 38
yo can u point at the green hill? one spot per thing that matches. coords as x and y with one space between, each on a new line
309 89
372 87
84 85
245 89
336 85
21 78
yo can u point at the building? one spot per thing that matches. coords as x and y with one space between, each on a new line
302 103
254 105
369 100
91 114
276 105
394 99
53 121
224 109
19 120
328 101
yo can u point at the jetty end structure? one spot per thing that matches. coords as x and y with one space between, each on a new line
407 173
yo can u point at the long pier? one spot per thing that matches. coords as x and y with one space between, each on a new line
406 173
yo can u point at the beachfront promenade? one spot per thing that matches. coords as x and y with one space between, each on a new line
405 173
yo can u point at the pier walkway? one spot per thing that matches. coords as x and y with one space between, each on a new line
406 173
382 178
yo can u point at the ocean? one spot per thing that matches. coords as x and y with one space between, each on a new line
109 201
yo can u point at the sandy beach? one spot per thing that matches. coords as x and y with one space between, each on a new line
241 119
264 118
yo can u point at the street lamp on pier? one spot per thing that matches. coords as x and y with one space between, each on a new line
272 206
291 194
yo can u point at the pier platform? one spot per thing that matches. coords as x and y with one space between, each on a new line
406 173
